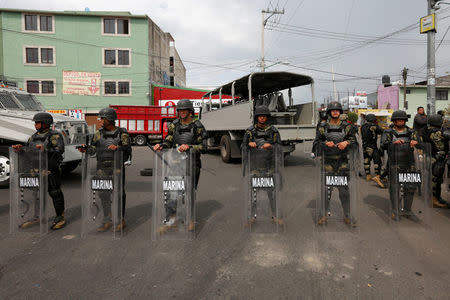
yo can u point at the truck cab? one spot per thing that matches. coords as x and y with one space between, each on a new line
17 108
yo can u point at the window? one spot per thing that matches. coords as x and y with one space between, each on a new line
441 94
172 81
45 23
110 57
109 26
117 57
123 57
117 88
122 26
35 55
132 125
47 87
32 55
33 86
110 87
171 66
47 55
124 87
156 125
31 22
113 26
41 87
123 123
140 125
38 23
408 91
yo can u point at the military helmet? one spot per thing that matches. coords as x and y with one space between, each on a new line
334 105
262 110
43 117
371 118
399 115
435 120
108 113
185 104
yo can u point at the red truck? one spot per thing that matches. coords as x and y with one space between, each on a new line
145 123
170 95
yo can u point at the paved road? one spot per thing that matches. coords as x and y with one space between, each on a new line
372 261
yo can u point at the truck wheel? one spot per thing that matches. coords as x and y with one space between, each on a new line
140 140
225 148
69 166
4 167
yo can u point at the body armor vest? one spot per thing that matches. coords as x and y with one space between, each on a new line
369 138
40 139
107 138
405 154
184 134
262 136
336 134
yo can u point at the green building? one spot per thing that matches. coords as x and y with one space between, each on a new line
416 96
85 60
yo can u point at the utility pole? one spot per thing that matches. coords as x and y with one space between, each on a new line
263 23
405 76
431 64
334 85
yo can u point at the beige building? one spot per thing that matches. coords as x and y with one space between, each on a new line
165 64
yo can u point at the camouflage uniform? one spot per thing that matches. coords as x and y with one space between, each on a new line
403 159
335 160
192 134
54 145
101 140
369 134
439 141
262 165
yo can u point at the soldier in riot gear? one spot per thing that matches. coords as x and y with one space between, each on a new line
369 134
185 134
335 137
262 136
47 139
107 139
405 139
434 134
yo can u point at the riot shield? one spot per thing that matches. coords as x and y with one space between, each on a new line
409 181
102 190
262 170
337 172
174 184
28 191
337 247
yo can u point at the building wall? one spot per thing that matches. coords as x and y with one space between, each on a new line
79 44
158 52
387 97
418 97
180 70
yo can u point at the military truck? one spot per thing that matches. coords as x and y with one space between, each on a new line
226 122
17 108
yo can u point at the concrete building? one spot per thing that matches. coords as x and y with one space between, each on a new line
86 60
416 95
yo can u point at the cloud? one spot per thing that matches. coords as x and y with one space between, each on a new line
229 33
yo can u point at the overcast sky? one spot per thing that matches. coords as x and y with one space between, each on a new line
228 34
